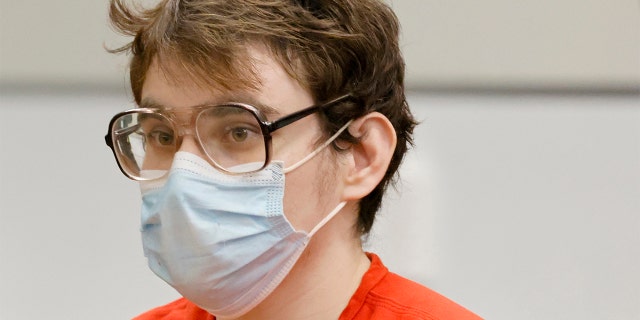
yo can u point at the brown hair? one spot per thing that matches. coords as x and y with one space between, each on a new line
331 47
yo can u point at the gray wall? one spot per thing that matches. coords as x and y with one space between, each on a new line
547 44
518 207
521 199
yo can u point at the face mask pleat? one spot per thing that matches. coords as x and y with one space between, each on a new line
220 240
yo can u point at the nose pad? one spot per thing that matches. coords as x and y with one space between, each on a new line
188 141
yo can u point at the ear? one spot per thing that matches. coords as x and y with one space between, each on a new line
368 159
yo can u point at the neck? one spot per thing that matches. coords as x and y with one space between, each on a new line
323 280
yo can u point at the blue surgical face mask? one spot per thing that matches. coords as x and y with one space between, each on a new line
222 241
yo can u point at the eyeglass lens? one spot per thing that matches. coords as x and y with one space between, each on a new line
231 137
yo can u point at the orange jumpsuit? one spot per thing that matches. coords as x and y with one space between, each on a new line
381 295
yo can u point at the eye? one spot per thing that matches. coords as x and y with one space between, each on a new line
239 134
160 137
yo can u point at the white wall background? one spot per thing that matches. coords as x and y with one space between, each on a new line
497 43
518 206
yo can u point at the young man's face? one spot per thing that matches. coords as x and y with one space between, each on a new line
311 191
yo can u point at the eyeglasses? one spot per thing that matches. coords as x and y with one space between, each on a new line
236 137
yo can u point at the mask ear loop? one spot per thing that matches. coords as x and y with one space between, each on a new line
327 218
315 152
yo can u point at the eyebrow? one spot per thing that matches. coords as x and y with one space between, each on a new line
150 103
245 98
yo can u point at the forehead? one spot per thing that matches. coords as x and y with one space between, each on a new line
168 86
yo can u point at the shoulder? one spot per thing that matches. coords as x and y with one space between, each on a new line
386 295
181 309
414 300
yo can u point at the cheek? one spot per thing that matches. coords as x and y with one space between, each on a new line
294 142
310 192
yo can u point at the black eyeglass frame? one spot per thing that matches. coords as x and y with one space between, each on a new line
266 127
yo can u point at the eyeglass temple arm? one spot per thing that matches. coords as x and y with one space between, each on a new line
289 119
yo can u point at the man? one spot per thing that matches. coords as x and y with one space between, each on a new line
266 135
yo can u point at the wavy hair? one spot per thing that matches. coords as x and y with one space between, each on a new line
330 47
